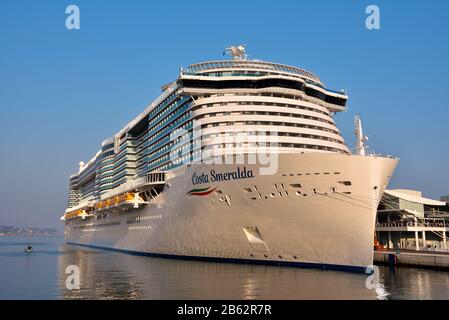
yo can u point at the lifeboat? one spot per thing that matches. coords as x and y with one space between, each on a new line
82 213
122 201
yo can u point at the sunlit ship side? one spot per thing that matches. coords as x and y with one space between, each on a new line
150 189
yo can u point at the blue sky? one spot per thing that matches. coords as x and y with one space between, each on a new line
63 92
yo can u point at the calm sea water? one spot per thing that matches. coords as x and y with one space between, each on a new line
112 275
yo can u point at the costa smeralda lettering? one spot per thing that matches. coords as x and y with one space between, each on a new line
215 176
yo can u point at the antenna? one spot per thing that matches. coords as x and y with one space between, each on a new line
360 148
237 52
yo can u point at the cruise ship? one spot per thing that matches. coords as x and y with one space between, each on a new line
237 160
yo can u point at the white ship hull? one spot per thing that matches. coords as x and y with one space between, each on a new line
321 223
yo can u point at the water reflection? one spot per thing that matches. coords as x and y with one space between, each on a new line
414 283
111 275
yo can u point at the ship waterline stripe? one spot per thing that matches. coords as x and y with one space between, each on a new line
307 265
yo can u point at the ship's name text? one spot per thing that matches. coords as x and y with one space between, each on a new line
215 176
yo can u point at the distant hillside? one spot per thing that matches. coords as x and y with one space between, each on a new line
21 231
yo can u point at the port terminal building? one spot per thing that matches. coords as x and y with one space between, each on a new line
407 220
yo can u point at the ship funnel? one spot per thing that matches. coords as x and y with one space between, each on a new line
360 148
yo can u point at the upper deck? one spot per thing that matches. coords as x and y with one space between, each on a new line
204 68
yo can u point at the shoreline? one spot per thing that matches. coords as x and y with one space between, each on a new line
31 235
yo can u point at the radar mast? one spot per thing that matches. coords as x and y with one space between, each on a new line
237 52
361 139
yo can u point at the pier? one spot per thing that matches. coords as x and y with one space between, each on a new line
422 259
412 230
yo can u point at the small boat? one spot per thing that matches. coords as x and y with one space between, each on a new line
29 249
